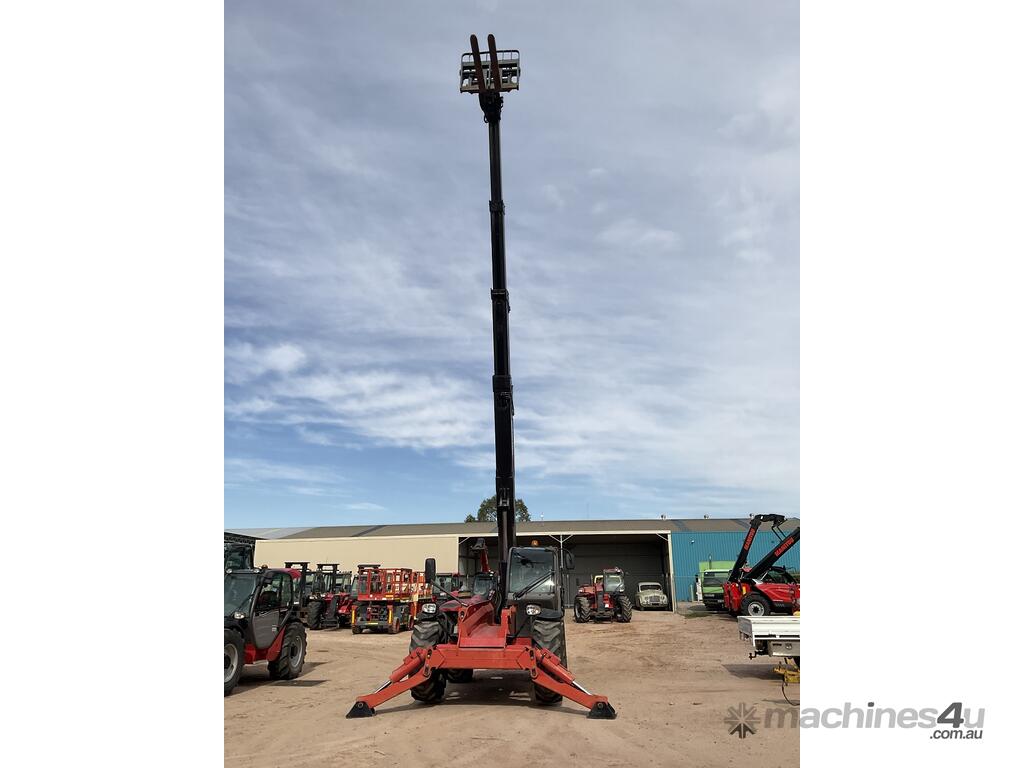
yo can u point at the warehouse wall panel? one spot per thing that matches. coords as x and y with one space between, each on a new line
397 552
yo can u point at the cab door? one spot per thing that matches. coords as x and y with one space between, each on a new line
272 605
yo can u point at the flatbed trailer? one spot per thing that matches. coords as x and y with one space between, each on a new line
772 635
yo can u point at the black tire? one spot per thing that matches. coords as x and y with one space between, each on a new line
330 614
625 608
581 610
755 605
234 659
314 614
427 634
356 630
460 675
549 635
288 664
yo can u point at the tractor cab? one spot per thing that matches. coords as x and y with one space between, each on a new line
483 584
533 579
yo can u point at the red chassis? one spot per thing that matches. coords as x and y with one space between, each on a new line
482 644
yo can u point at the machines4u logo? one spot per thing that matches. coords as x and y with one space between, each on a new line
742 720
955 721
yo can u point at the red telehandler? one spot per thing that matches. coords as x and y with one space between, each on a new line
261 622
762 589
606 598
519 625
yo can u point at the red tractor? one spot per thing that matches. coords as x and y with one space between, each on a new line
326 596
386 599
605 599
519 625
261 623
763 588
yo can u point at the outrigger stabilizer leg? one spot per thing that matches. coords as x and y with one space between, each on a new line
543 666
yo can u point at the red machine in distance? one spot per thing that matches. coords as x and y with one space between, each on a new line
606 598
519 625
762 589
326 595
386 599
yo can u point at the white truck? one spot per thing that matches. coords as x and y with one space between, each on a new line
772 635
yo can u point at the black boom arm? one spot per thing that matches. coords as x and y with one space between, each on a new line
504 450
755 523
760 568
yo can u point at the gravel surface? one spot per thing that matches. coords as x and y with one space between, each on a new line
671 677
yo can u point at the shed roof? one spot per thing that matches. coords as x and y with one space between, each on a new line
697 525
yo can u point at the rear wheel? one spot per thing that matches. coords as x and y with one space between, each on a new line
549 635
234 659
427 634
625 608
755 605
460 675
288 664
581 610
314 614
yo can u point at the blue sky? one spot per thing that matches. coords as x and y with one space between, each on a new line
651 174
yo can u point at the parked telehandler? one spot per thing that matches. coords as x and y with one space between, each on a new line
605 599
261 623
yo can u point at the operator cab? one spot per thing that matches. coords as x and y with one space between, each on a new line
777 575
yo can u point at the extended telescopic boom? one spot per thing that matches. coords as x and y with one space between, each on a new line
501 74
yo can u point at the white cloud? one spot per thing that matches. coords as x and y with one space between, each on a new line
629 234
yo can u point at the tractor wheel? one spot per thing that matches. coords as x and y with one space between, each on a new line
356 629
581 610
314 614
755 605
427 634
288 664
549 635
394 625
625 609
460 675
234 659
330 615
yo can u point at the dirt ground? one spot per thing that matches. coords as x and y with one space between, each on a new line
671 677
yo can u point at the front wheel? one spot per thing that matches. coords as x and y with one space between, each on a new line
581 610
427 634
288 664
234 659
625 609
755 605
549 635
314 614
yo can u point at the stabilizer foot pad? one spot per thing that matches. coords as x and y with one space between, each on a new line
359 709
602 711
